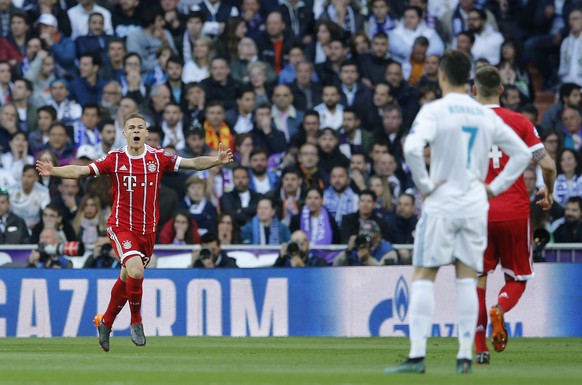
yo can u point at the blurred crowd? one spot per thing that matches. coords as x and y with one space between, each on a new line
314 97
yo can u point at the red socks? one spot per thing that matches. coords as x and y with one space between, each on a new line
116 303
134 293
480 333
510 294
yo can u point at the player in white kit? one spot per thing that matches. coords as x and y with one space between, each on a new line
453 226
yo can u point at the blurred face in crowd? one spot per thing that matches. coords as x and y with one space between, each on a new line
18 26
262 115
241 180
331 97
8 116
361 45
431 65
116 52
375 184
126 106
174 70
275 25
108 134
552 143
86 67
58 137
380 9
4 205
290 183
32 47
311 124
154 139
265 211
304 74
314 201
196 191
339 179
44 121
5 74
195 96
296 56
327 142
394 75
573 100
349 75
201 50
194 26
571 120
377 150
350 122
48 66
195 143
69 187
308 156
464 43
392 121
90 117
382 95
358 162
336 52
172 115
366 205
573 213
529 177
300 238
18 143
219 70
575 21
385 165
475 23
111 95
258 163
568 162
380 46
215 116
323 34
161 100
411 19
246 104
29 178
96 25
405 207
512 99
19 91
282 97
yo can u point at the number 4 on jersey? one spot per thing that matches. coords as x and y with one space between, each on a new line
495 155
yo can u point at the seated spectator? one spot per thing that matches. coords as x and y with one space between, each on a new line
241 202
514 72
13 46
261 180
569 180
216 14
8 125
329 153
368 248
353 139
254 16
13 229
88 87
180 230
194 21
198 68
287 196
315 220
28 196
265 135
154 106
413 66
133 83
195 106
243 146
339 199
103 256
227 230
247 54
285 116
309 164
366 211
380 186
110 99
372 65
402 223
569 70
240 118
85 130
216 129
308 132
17 157
195 204
325 32
265 228
60 144
52 217
40 259
274 44
257 73
79 17
49 182
68 111
346 14
569 228
381 20
402 93
359 171
41 72
89 222
112 68
306 93
568 96
172 127
572 131
296 253
220 85
487 41
328 71
511 98
126 16
61 47
96 40
211 255
331 112
67 198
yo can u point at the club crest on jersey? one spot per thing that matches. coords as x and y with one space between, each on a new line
152 167
126 244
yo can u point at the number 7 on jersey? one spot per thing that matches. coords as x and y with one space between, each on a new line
472 131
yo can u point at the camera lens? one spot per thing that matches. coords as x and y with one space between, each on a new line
293 248
205 253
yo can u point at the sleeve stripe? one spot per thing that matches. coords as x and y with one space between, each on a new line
95 169
177 165
536 147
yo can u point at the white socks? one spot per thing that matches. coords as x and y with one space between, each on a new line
467 313
421 311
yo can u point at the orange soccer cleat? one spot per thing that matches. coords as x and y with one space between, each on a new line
498 333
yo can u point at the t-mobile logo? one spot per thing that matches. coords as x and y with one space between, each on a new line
129 181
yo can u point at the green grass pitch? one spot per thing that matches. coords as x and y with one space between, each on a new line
261 361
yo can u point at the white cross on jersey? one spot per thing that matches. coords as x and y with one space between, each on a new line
495 154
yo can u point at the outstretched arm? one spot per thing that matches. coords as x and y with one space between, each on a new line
45 168
205 162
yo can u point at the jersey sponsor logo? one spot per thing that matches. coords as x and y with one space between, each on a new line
126 244
129 182
152 167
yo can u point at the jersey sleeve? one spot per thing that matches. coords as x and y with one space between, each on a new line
170 162
103 166
530 135
422 132
519 156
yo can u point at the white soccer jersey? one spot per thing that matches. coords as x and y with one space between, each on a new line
460 132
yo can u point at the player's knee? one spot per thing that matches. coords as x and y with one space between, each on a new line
134 266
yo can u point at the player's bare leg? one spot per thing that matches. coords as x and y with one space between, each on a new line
422 304
482 356
467 306
135 272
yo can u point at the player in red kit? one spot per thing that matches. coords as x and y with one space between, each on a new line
509 232
136 172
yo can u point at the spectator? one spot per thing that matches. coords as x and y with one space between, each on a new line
273 45
413 67
126 16
96 40
241 202
359 171
392 130
48 181
106 129
226 44
345 14
241 117
330 111
381 99
195 144
257 74
487 41
28 197
253 15
569 96
217 131
180 230
569 228
40 259
265 228
89 222
514 72
52 218
85 131
384 203
37 140
298 19
60 144
5 83
465 41
306 93
243 146
35 9
511 98
160 96
380 21
149 38
570 68
572 130
569 180
174 69
353 139
79 17
315 220
220 85
211 255
112 68
265 135
339 199
13 47
402 92
194 24
216 14
227 230
195 106
328 71
366 211
13 229
298 255
67 198
132 82
41 72
402 223
456 20
247 53
289 73
8 125
285 116
325 32
353 92
67 110
373 64
195 204
197 69
17 157
368 249
62 48
261 180
111 97
172 127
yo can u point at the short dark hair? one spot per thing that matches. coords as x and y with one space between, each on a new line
488 80
529 109
311 113
209 237
115 39
349 62
369 193
104 122
456 67
291 170
88 106
415 9
258 150
95 59
175 59
577 200
412 197
468 34
27 84
351 110
215 103
421 41
482 14
49 110
566 89
197 15
235 169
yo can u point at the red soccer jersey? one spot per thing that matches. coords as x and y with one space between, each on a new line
513 203
135 186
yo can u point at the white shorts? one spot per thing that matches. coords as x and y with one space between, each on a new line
440 241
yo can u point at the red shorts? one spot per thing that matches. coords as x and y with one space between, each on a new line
509 243
127 244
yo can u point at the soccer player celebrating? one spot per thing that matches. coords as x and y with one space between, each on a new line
453 225
136 173
509 232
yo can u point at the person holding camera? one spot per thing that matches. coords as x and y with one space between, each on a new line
103 256
367 248
211 255
49 254
296 253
